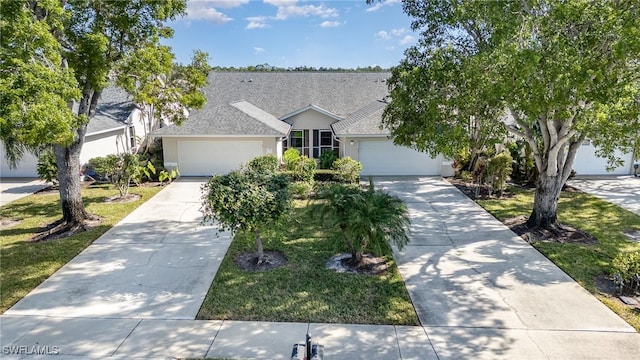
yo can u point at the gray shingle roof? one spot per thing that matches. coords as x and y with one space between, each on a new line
112 111
280 93
238 118
365 121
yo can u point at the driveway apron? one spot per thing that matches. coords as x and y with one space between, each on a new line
480 291
623 191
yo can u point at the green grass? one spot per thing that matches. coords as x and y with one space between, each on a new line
24 265
605 221
303 290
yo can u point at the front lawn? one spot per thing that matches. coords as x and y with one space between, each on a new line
585 263
303 290
24 265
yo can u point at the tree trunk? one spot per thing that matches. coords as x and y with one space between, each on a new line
259 248
545 205
68 162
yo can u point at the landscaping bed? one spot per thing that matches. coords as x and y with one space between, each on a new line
304 290
593 234
24 264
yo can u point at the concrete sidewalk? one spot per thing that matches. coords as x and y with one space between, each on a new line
480 293
623 191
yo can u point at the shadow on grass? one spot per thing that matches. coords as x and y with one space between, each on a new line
304 290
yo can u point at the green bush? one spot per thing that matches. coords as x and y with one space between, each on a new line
465 175
304 169
119 169
327 158
347 170
324 175
498 171
626 271
289 158
264 164
47 167
301 189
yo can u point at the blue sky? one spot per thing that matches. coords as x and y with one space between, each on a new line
290 33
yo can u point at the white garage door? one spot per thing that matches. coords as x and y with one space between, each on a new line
205 158
27 167
385 158
587 163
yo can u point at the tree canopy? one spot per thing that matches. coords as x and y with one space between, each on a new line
551 72
57 57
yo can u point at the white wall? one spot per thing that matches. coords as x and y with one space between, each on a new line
25 168
588 163
114 142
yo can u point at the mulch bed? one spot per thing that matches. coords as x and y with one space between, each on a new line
369 265
249 261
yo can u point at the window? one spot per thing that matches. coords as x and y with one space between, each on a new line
323 141
299 139
132 136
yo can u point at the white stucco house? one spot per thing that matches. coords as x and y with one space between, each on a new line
252 114
116 127
256 113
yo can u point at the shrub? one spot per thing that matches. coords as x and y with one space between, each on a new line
119 169
366 220
263 164
246 200
465 175
327 158
290 157
303 169
347 170
626 271
301 189
47 167
498 171
324 175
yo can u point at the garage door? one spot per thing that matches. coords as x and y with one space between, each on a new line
587 163
385 158
27 167
205 158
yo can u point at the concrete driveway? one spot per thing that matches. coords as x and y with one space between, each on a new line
623 191
12 189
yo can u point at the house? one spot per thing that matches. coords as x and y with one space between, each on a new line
116 127
249 114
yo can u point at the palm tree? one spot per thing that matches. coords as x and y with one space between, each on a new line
366 218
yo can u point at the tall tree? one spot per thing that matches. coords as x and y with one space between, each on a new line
72 56
162 89
558 72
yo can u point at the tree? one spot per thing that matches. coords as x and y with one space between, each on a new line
246 200
553 73
162 89
55 53
365 219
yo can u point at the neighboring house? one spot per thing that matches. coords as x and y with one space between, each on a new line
259 113
116 127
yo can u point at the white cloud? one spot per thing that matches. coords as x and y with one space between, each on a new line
258 50
406 40
225 4
398 32
290 8
383 35
205 10
257 22
378 5
330 24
